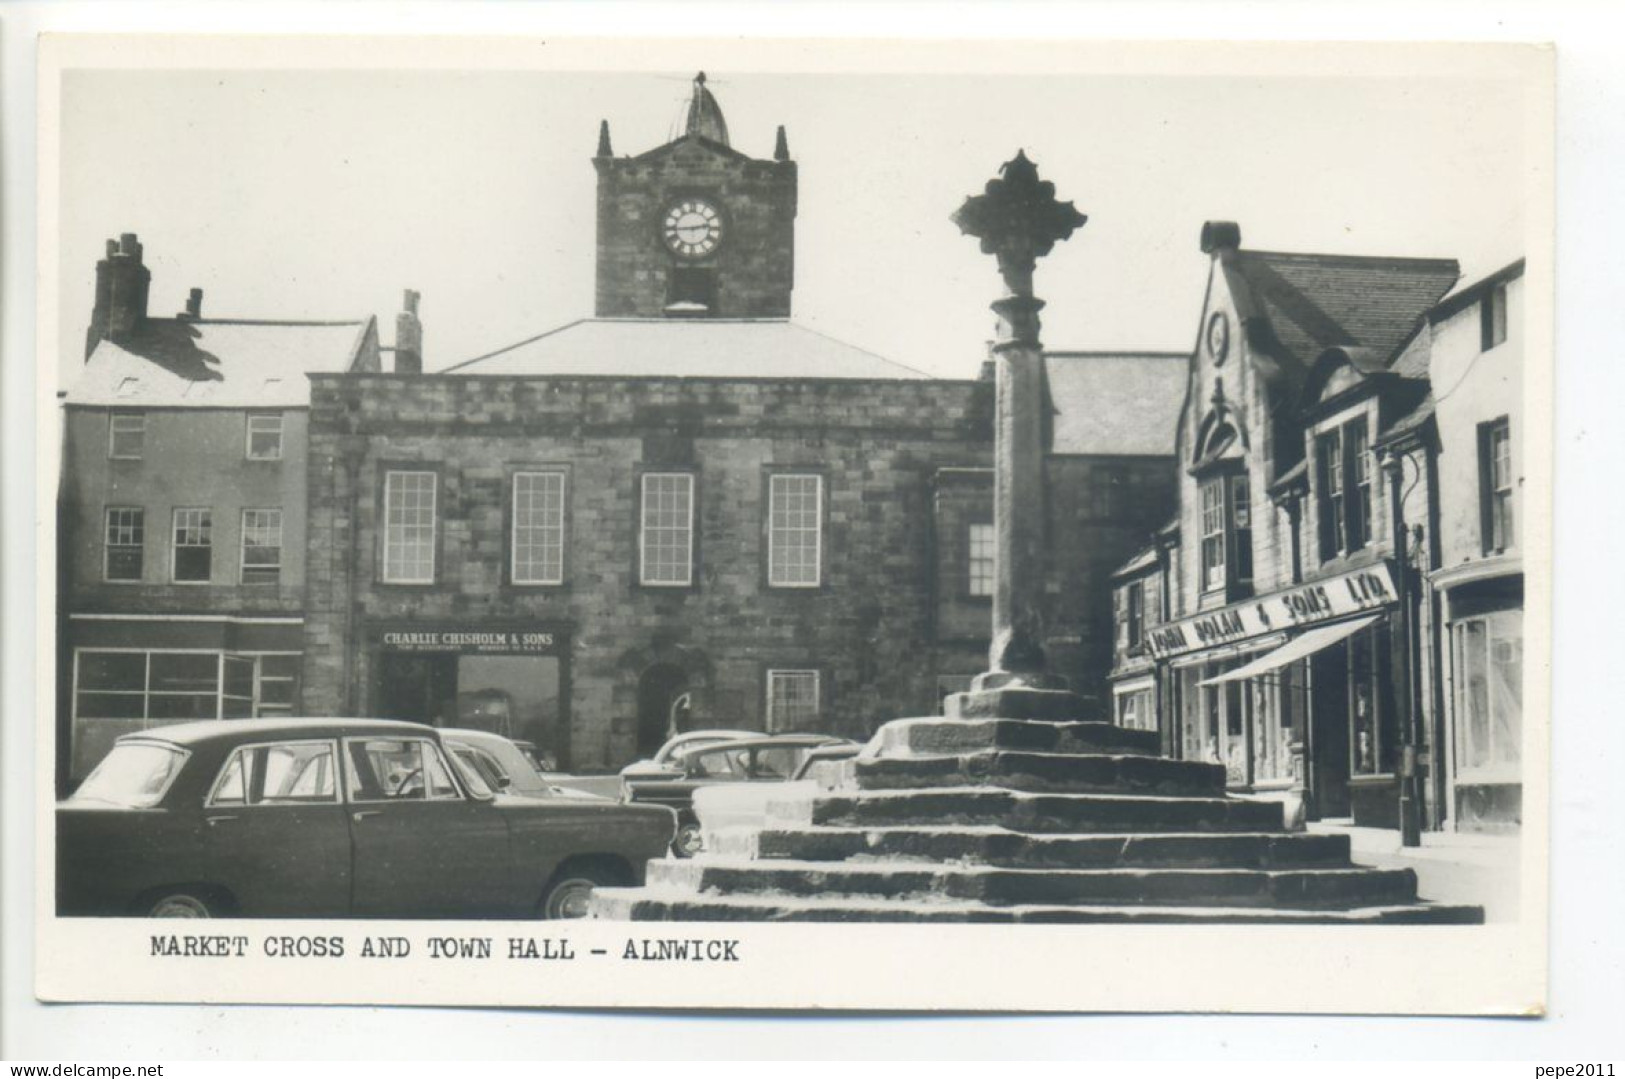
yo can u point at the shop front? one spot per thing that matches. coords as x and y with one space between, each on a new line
1484 636
509 679
132 673
1292 693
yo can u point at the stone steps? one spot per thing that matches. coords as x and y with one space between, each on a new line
1043 772
659 904
999 847
1024 811
1298 888
935 736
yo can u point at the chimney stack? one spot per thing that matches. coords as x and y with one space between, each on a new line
408 337
1220 235
194 305
122 282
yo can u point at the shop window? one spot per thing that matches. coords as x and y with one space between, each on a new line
127 436
794 530
538 528
1343 481
1136 711
1489 695
979 572
1213 534
1496 485
409 527
666 545
262 546
1373 737
194 546
126 540
264 441
1493 318
792 700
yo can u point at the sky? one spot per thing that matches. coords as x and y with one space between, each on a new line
324 194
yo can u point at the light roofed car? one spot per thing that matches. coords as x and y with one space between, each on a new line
296 818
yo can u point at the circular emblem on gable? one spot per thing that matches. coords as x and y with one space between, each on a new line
1218 336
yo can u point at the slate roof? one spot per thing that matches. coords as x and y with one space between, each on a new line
1313 302
217 363
1116 403
686 348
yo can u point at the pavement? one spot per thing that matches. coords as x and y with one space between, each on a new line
1451 867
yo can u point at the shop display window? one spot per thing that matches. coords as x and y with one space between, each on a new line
1488 655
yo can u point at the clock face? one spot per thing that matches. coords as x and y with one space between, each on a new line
692 228
1218 336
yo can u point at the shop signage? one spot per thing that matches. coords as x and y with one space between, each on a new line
1303 605
471 640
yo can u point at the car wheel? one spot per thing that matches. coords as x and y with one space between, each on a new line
568 898
688 840
179 905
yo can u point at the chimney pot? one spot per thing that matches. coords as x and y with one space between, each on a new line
129 245
112 248
1219 235
194 304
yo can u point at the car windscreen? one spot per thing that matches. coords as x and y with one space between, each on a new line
134 774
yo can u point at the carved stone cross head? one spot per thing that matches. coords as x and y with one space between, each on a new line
1018 220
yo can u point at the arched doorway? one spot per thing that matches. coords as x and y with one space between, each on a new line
661 705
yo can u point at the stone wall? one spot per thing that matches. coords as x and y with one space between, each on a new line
868 627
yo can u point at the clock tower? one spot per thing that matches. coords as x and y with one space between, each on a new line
694 228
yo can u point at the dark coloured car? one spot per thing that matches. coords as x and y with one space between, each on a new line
770 758
288 818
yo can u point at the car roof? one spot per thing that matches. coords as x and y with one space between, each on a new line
776 740
244 730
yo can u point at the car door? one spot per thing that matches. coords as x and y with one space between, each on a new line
275 832
422 847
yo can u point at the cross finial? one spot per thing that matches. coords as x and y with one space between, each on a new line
699 80
1018 219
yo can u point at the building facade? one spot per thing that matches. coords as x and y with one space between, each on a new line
1294 622
181 568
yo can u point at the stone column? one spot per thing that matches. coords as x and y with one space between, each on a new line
1018 220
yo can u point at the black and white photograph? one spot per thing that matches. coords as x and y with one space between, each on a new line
622 507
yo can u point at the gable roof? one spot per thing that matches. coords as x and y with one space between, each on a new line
686 348
1314 302
217 363
1118 404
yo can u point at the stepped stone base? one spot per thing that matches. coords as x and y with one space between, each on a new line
1017 808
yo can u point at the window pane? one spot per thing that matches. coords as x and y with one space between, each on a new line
409 527
538 528
795 521
667 541
792 702
264 437
127 435
110 705
113 670
231 788
178 706
295 773
981 560
1473 694
262 546
193 544
175 672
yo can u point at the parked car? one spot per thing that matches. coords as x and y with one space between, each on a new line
667 761
770 758
506 767
331 818
726 806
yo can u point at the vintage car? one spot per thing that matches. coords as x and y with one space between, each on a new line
287 818
762 758
507 767
724 807
667 761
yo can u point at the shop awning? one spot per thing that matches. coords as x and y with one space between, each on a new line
1304 644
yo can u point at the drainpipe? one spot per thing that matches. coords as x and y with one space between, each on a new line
1410 793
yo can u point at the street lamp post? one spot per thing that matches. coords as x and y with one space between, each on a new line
1018 220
